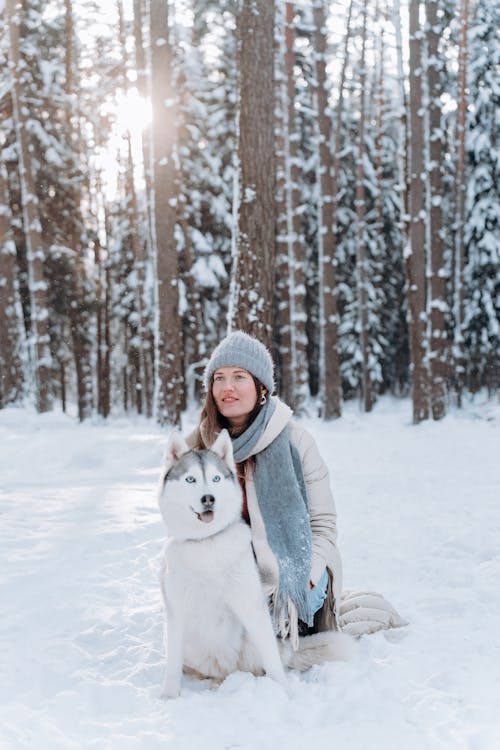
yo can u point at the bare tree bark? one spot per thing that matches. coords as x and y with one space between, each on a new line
253 269
416 265
459 249
11 326
78 309
437 288
103 332
361 249
169 386
139 354
144 91
39 315
290 285
404 139
330 386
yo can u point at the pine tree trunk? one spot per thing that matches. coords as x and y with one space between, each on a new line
144 91
78 310
194 346
361 248
39 314
290 283
103 336
459 249
169 385
11 326
192 320
404 139
416 262
282 353
438 334
330 386
253 269
139 347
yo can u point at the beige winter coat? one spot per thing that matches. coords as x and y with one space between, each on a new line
322 513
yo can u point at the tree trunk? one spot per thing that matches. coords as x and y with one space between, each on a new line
139 344
253 267
404 139
361 248
39 314
459 249
329 376
290 284
103 334
143 89
78 310
416 262
169 385
437 288
11 326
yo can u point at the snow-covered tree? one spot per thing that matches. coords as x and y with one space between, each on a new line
12 337
481 323
290 313
30 133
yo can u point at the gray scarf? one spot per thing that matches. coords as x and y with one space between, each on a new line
282 497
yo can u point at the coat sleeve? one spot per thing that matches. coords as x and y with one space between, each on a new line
322 512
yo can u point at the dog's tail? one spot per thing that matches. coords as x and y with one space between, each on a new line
316 649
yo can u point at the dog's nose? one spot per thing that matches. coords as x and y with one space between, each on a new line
207 501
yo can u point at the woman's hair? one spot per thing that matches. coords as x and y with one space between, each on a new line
213 421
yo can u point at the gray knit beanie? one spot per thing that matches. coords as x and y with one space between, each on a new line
239 349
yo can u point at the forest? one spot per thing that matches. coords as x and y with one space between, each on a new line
324 175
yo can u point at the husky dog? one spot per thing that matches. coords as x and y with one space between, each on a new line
217 616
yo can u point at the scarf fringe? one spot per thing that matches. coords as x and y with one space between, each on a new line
294 625
286 621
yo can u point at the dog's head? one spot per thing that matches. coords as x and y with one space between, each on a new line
199 493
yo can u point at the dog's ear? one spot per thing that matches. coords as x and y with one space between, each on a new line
223 446
176 447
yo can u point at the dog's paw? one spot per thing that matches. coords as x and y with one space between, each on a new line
168 695
170 691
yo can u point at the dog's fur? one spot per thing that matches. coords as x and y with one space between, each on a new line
217 617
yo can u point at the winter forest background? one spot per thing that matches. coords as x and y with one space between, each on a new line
325 175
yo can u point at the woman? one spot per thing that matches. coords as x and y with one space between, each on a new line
287 498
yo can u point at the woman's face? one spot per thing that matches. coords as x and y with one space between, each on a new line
235 394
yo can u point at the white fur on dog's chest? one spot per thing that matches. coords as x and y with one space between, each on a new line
212 553
201 578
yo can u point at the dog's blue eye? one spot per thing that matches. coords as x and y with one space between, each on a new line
190 479
216 478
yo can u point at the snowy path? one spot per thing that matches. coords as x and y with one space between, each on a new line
80 633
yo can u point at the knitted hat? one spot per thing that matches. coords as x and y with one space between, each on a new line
239 349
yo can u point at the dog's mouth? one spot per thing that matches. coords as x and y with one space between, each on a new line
206 516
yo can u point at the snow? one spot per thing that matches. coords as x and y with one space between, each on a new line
81 629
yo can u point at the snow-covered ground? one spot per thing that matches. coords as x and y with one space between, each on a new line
81 617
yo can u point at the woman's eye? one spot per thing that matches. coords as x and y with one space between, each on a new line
190 479
216 478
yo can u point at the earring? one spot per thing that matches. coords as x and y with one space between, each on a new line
263 399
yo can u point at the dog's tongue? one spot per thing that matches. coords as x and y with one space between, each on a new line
207 516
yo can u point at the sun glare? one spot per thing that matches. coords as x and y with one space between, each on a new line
132 113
